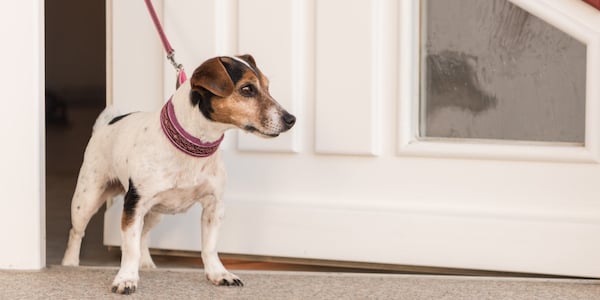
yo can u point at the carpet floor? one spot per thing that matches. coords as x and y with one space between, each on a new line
57 282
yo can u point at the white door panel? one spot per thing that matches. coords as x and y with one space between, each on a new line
347 107
352 180
274 49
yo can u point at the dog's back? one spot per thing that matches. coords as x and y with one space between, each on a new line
106 116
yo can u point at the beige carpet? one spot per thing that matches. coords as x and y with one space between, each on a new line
58 282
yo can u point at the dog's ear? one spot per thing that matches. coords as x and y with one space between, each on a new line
249 59
212 76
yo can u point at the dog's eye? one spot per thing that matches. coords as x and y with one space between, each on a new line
248 90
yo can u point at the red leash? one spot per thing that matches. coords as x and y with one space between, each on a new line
181 77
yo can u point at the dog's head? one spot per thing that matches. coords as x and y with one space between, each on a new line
232 90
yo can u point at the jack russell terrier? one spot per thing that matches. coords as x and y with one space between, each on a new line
166 161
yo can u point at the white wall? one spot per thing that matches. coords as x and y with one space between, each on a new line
22 211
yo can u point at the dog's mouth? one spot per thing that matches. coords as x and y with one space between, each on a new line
255 130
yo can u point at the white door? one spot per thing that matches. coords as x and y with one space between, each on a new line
387 162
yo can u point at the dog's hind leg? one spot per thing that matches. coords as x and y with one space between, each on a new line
150 220
90 194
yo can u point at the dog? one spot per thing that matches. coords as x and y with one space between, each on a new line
168 160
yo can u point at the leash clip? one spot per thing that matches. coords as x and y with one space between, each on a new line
171 58
180 73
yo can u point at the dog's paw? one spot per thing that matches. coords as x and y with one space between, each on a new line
147 263
124 286
224 279
70 262
71 257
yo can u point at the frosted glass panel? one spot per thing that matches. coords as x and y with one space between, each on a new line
491 70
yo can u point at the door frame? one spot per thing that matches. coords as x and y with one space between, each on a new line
22 176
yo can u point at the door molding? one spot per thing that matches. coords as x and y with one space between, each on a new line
22 176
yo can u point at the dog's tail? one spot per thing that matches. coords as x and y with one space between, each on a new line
109 113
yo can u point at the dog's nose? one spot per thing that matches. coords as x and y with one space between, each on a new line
289 120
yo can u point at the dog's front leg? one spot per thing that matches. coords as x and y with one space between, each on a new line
132 222
126 280
212 216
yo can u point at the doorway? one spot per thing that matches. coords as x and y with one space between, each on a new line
75 95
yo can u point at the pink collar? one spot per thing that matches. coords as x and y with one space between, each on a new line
181 139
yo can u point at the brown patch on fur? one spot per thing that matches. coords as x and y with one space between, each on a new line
212 76
237 109
249 59
264 81
125 221
242 111
230 106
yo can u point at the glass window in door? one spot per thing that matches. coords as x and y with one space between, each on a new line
491 70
